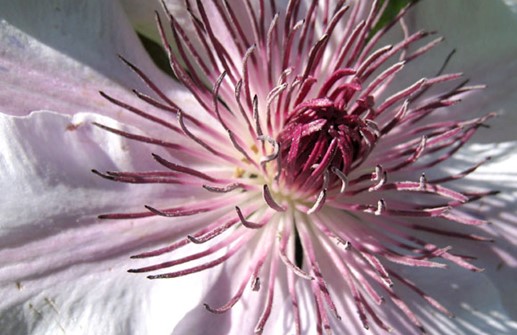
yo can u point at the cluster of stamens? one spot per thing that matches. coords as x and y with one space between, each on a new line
316 155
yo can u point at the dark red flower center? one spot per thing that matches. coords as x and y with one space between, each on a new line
320 143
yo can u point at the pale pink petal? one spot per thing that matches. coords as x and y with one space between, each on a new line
46 166
81 249
64 270
243 317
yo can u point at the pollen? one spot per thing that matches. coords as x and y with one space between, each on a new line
239 172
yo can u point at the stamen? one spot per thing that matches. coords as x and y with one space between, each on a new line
238 89
381 207
179 32
251 274
269 297
372 58
349 42
215 100
203 236
422 183
139 112
284 239
314 54
140 138
249 224
245 74
401 95
326 121
271 38
275 93
417 153
204 144
182 169
179 211
319 285
425 48
276 149
241 149
221 52
333 79
147 81
140 178
401 115
204 266
256 116
270 201
460 175
234 20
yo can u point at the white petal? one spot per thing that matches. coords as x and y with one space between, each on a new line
243 317
91 32
483 35
58 57
63 269
46 168
488 299
512 4
245 314
79 285
473 298
141 14
500 261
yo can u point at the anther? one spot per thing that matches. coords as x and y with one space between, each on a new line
380 176
322 196
342 177
255 284
381 208
224 189
422 182
373 127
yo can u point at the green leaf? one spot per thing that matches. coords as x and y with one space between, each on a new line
393 8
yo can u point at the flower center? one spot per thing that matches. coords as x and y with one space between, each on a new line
320 144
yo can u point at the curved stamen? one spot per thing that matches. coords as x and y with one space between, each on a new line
322 196
380 176
249 224
342 177
284 239
276 149
270 201
224 189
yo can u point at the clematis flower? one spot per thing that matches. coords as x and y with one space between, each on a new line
306 172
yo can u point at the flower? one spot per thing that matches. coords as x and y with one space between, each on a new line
286 170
